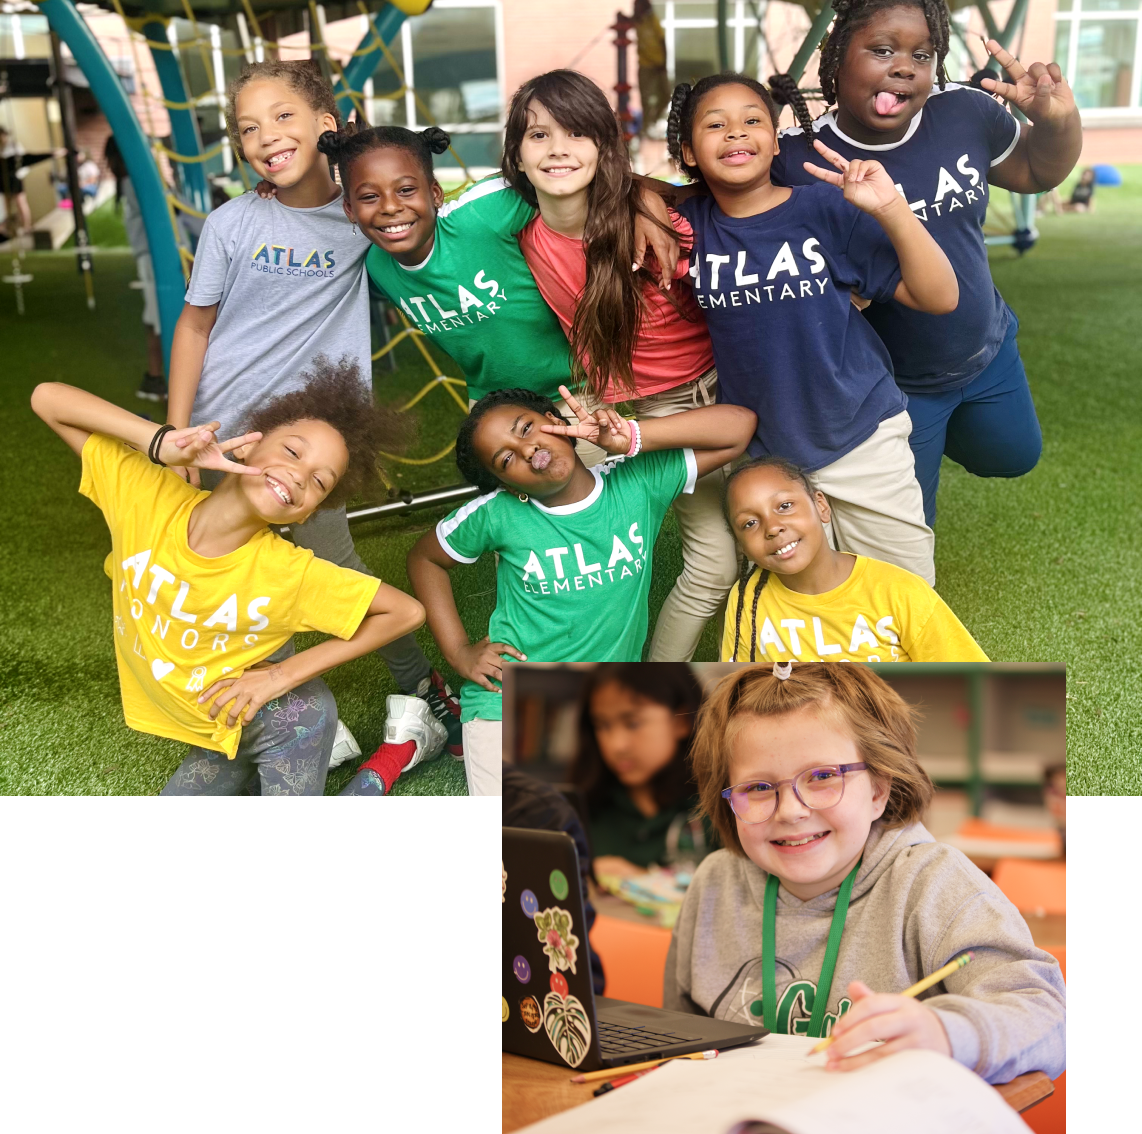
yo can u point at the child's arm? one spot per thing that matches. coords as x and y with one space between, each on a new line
717 434
191 334
428 567
1048 149
391 615
76 414
927 280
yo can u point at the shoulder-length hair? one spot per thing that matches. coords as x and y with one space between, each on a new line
672 684
852 697
611 309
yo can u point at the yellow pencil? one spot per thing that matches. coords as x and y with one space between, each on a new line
915 990
627 1068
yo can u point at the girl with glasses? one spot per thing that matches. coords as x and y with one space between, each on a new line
829 887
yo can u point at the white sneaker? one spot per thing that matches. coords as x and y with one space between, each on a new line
345 746
410 718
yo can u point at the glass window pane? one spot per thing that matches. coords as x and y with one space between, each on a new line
1110 5
454 53
695 54
1062 43
1105 62
1064 5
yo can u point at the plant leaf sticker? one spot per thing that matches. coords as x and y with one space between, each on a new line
559 943
567 1027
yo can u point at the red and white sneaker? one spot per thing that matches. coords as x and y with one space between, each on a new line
445 706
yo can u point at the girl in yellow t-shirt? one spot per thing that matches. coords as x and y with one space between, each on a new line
206 597
798 598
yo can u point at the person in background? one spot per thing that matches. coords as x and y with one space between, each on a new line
154 384
90 175
635 725
653 82
531 803
1082 196
13 169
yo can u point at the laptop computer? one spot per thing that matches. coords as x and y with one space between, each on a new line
549 1008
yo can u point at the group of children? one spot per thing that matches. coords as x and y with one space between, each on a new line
739 329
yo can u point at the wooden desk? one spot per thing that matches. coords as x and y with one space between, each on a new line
533 1090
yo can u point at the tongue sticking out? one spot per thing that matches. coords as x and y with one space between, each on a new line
887 103
540 459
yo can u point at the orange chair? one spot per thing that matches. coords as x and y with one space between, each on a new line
1033 886
1050 1116
634 958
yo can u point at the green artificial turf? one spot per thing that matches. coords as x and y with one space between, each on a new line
1045 568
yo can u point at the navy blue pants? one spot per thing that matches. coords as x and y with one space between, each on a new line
988 426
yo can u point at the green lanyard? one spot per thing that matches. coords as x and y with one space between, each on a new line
769 953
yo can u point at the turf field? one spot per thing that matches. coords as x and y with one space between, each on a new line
1046 568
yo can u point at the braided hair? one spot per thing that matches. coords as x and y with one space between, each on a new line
344 146
786 92
748 570
854 14
684 102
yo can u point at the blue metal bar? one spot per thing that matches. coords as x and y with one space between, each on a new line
170 283
812 38
184 123
360 68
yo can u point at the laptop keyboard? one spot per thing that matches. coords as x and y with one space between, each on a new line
624 1039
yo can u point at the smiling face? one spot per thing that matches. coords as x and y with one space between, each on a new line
778 524
732 139
300 462
886 74
810 851
394 202
637 737
279 131
557 162
508 441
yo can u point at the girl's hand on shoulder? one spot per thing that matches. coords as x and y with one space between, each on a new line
198 446
664 245
605 427
482 662
245 695
865 184
1040 91
901 1021
267 190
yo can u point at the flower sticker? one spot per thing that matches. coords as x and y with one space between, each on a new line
567 1027
559 943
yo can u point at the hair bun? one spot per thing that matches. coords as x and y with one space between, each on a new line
436 139
330 144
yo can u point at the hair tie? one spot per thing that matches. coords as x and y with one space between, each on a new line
157 443
782 670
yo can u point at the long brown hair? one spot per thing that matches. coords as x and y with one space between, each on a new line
610 311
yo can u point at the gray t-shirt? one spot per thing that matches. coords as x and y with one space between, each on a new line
290 285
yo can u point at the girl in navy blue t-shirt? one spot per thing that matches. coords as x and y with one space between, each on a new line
967 390
772 267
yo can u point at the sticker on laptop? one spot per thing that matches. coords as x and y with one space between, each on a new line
503 1010
559 943
503 883
558 883
529 902
530 1014
521 969
567 1027
559 984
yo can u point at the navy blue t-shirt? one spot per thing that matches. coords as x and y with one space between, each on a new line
941 167
788 342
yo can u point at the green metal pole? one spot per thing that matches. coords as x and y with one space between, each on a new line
723 37
988 19
812 39
383 25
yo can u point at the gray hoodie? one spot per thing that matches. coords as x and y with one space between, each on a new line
916 904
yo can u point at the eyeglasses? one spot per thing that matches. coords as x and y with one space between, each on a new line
816 788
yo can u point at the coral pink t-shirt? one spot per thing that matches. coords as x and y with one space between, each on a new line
673 346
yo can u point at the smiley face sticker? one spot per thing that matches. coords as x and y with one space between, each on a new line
558 883
531 1014
530 903
521 969
559 984
503 1011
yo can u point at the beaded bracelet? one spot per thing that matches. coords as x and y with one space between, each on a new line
635 438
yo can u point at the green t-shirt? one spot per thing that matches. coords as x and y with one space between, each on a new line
475 295
572 581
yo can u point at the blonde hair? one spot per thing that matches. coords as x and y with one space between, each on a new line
880 722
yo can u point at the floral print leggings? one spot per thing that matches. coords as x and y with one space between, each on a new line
285 750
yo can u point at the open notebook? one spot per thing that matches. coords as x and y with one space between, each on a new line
775 1087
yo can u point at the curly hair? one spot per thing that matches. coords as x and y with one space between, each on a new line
302 76
472 469
684 102
345 146
334 393
854 14
850 698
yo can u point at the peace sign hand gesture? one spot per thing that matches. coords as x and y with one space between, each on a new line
1040 92
605 428
199 448
865 184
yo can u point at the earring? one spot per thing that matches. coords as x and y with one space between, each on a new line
354 228
522 497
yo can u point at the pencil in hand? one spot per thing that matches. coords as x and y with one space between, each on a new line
915 990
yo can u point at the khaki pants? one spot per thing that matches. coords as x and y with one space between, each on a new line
877 505
709 554
484 757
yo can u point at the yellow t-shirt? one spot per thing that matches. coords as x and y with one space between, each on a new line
880 613
182 621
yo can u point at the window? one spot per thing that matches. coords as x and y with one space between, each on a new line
1098 46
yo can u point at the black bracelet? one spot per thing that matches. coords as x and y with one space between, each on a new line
157 443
